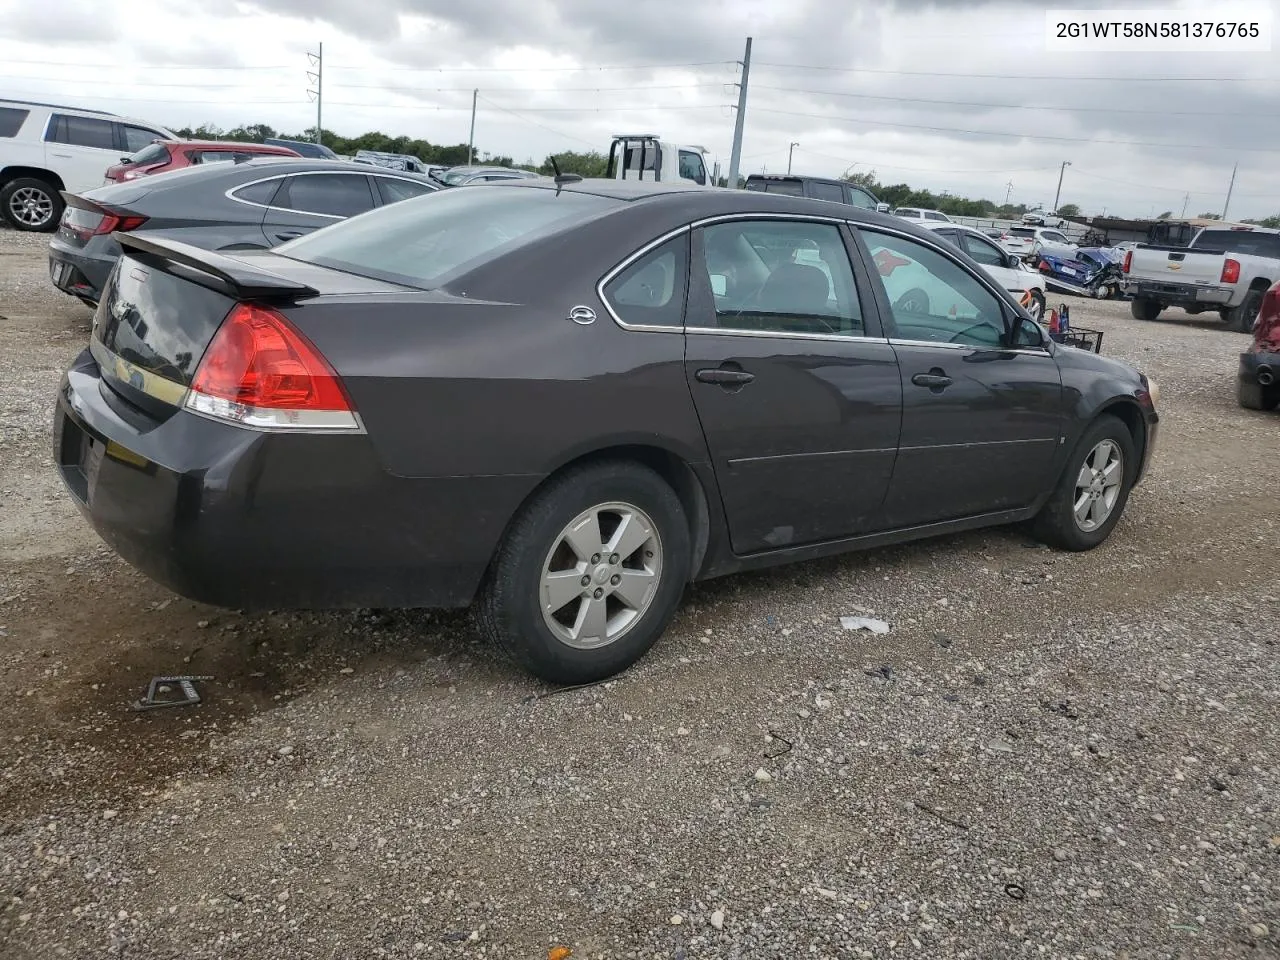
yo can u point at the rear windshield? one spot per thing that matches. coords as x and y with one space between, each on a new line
152 153
420 242
1022 231
1240 241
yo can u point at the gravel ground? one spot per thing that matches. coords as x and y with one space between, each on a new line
1050 755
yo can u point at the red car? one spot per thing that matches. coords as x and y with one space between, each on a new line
161 156
1259 386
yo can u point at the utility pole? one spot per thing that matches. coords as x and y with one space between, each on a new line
735 157
318 60
1186 198
1058 196
471 141
1230 187
790 150
1008 193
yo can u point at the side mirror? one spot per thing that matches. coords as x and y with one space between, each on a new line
883 208
719 284
1013 260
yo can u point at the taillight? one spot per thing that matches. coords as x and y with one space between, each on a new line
1044 267
84 222
1230 270
1128 261
260 371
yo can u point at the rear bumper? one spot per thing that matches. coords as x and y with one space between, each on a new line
81 272
244 519
1178 293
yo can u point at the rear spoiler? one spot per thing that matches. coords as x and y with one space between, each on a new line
215 270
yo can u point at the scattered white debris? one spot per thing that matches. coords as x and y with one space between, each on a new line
864 623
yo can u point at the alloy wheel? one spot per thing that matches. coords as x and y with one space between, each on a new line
601 575
31 206
1098 485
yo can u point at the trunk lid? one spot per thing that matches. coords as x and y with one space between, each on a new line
165 301
1177 265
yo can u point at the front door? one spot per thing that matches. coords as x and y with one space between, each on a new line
797 390
981 417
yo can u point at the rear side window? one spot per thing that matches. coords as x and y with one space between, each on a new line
936 216
423 244
651 291
827 191
82 132
261 192
327 194
393 191
11 120
216 156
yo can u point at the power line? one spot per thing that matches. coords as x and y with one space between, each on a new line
223 101
580 69
189 85
1020 136
153 66
397 88
1017 76
1006 106
890 166
609 109
543 126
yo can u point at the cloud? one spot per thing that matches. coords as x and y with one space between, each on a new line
57 24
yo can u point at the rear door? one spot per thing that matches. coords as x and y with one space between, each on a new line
309 201
796 388
80 149
980 417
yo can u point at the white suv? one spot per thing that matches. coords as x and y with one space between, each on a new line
46 148
919 215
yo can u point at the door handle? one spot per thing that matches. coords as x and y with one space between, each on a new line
289 235
935 379
723 377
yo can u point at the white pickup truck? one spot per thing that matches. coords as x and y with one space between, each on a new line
1227 269
643 156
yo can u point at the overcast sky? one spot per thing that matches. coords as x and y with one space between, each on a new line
954 96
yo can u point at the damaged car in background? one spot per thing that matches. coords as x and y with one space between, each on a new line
692 382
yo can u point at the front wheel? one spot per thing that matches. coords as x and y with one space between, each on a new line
589 575
1094 487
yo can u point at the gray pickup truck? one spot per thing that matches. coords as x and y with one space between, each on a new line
1225 269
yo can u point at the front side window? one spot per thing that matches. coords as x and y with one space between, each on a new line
155 153
777 276
1240 241
651 291
860 198
327 194
1053 237
82 132
425 244
692 168
931 215
933 298
987 254
393 190
135 138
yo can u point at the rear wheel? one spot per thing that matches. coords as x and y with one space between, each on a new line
31 204
589 575
1146 310
1093 489
1254 396
1242 317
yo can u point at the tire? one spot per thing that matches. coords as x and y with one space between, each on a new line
509 611
1057 523
1146 310
31 205
1242 317
1037 306
1254 396
914 300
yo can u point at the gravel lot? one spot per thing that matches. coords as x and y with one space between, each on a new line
1050 755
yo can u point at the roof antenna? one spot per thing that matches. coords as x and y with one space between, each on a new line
562 178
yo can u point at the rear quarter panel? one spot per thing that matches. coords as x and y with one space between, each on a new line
495 378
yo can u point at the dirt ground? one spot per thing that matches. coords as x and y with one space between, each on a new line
1049 755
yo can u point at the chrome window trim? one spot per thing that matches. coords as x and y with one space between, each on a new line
623 265
937 344
229 193
783 335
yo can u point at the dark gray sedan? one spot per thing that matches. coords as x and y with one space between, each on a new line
563 401
245 206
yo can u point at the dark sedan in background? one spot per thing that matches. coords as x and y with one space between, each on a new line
254 204
563 401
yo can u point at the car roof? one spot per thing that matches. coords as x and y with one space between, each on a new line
706 201
58 106
803 177
270 148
